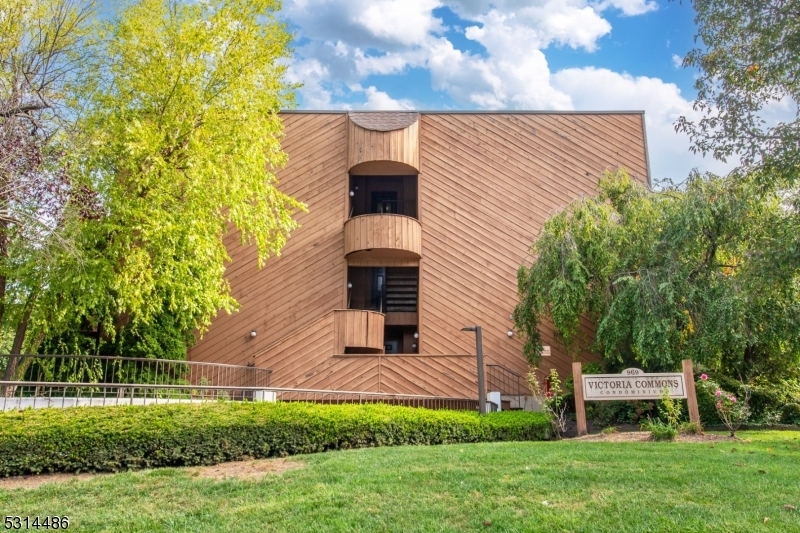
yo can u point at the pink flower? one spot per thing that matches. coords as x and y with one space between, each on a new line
718 393
732 399
719 405
703 377
549 394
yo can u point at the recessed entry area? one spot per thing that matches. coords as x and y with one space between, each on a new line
392 291
383 195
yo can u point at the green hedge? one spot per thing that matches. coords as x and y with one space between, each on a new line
122 438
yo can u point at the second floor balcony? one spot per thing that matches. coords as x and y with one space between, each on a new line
383 236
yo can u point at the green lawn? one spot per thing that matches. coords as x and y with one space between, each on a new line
536 486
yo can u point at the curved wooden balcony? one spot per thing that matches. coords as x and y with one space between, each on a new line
358 331
382 236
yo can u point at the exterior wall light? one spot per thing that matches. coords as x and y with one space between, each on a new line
511 317
510 333
349 285
416 334
414 346
253 333
352 193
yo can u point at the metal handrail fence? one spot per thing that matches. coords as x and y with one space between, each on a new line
114 370
506 381
62 381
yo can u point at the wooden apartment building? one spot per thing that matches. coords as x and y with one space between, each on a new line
416 225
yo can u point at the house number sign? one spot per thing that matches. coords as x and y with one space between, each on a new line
633 384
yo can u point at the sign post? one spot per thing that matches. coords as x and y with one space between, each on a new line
632 384
691 400
580 409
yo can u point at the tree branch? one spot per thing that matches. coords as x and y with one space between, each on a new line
23 109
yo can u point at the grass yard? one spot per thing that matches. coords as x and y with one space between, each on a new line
531 486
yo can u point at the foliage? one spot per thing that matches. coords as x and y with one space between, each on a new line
554 402
768 398
732 411
685 272
670 409
177 112
162 338
693 428
125 438
611 413
790 414
660 430
749 67
671 412
448 489
41 202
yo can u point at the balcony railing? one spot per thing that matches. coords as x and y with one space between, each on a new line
358 330
383 236
391 207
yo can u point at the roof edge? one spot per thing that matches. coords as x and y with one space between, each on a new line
461 112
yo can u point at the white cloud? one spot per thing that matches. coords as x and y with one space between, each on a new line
677 61
631 7
349 40
473 8
516 80
538 27
311 73
381 24
402 21
379 100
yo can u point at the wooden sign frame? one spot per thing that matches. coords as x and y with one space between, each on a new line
580 407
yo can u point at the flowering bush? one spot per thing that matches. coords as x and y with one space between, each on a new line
554 401
731 410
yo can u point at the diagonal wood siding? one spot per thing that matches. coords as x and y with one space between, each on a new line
307 280
487 184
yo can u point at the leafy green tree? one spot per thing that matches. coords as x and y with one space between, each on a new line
179 117
665 275
748 60
42 44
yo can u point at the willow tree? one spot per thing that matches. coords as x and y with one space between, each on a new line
689 271
180 122
748 92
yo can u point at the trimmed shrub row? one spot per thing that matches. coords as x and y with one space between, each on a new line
111 439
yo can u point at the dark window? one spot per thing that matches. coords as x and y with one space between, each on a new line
384 202
383 194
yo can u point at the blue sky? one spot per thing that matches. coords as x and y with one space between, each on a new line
503 54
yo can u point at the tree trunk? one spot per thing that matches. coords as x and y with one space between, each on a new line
2 297
16 358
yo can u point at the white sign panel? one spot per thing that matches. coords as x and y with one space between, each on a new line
632 384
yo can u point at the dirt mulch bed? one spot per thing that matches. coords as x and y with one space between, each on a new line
249 470
35 481
644 436
246 469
